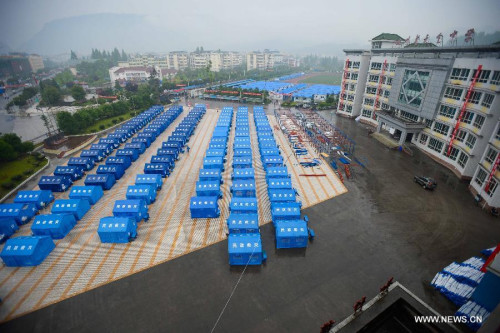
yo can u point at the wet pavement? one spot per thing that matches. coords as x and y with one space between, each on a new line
385 226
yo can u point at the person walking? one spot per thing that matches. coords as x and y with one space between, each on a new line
187 147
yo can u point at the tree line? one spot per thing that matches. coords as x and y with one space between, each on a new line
114 55
11 147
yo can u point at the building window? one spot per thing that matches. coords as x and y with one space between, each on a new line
436 145
453 93
478 121
467 117
355 64
481 177
386 93
491 155
460 135
371 90
428 123
471 141
441 128
462 160
368 101
495 79
460 74
423 138
497 136
389 81
447 111
483 76
376 66
453 153
392 67
474 97
367 113
413 87
347 75
349 108
408 116
350 98
373 78
487 100
493 186
354 76
385 106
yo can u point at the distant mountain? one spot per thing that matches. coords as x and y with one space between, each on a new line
4 48
103 31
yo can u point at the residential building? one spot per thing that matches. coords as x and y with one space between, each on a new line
36 62
20 64
261 60
420 94
145 61
134 74
178 60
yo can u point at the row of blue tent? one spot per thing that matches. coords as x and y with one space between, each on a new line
208 192
65 213
290 230
122 226
244 239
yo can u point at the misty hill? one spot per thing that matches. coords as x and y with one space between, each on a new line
4 48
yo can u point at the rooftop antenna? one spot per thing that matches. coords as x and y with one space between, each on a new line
469 36
439 39
453 37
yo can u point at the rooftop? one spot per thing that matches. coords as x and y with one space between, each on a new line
388 36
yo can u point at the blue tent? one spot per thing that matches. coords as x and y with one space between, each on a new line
242 133
209 188
164 159
162 169
150 136
243 223
243 188
285 211
26 250
8 226
127 132
135 209
90 193
77 207
210 174
243 205
116 170
105 147
291 234
173 145
279 184
72 171
20 212
106 180
213 163
40 198
242 152
140 147
215 153
124 161
270 152
284 195
153 180
204 207
144 192
54 183
245 249
146 141
114 229
220 140
133 154
83 162
114 142
121 137
169 151
94 155
216 145
56 226
272 161
277 173
242 162
243 174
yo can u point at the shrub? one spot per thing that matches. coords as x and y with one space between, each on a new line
101 127
16 178
114 121
40 158
28 172
121 118
8 185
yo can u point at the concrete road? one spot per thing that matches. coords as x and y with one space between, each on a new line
385 226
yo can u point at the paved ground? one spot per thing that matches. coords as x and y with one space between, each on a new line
384 226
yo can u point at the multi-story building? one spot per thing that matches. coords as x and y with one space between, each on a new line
261 60
20 64
134 74
36 62
421 95
146 61
178 60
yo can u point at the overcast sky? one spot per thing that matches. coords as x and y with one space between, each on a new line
224 22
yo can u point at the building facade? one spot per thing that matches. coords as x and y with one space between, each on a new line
420 94
260 60
178 60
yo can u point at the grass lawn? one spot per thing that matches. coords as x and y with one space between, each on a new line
333 79
108 122
24 166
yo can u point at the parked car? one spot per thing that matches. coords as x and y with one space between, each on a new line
425 182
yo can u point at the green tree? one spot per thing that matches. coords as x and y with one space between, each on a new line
65 122
73 55
13 140
7 152
51 95
124 56
78 92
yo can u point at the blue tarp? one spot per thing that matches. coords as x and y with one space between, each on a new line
146 141
215 153
285 195
106 180
133 154
285 211
95 155
242 162
272 161
245 249
243 188
117 229
144 192
54 183
40 198
8 226
21 212
210 174
84 162
209 188
154 180
487 292
115 169
279 184
169 151
135 209
270 152
112 141
243 223
213 163
243 205
105 147
162 169
77 207
56 226
291 234
90 193
277 172
139 146
124 161
243 174
72 171
242 152
204 207
26 250
164 159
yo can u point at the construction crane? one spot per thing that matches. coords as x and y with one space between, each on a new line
379 89
346 68
470 90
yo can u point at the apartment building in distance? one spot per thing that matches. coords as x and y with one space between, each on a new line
178 60
444 100
261 60
217 60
